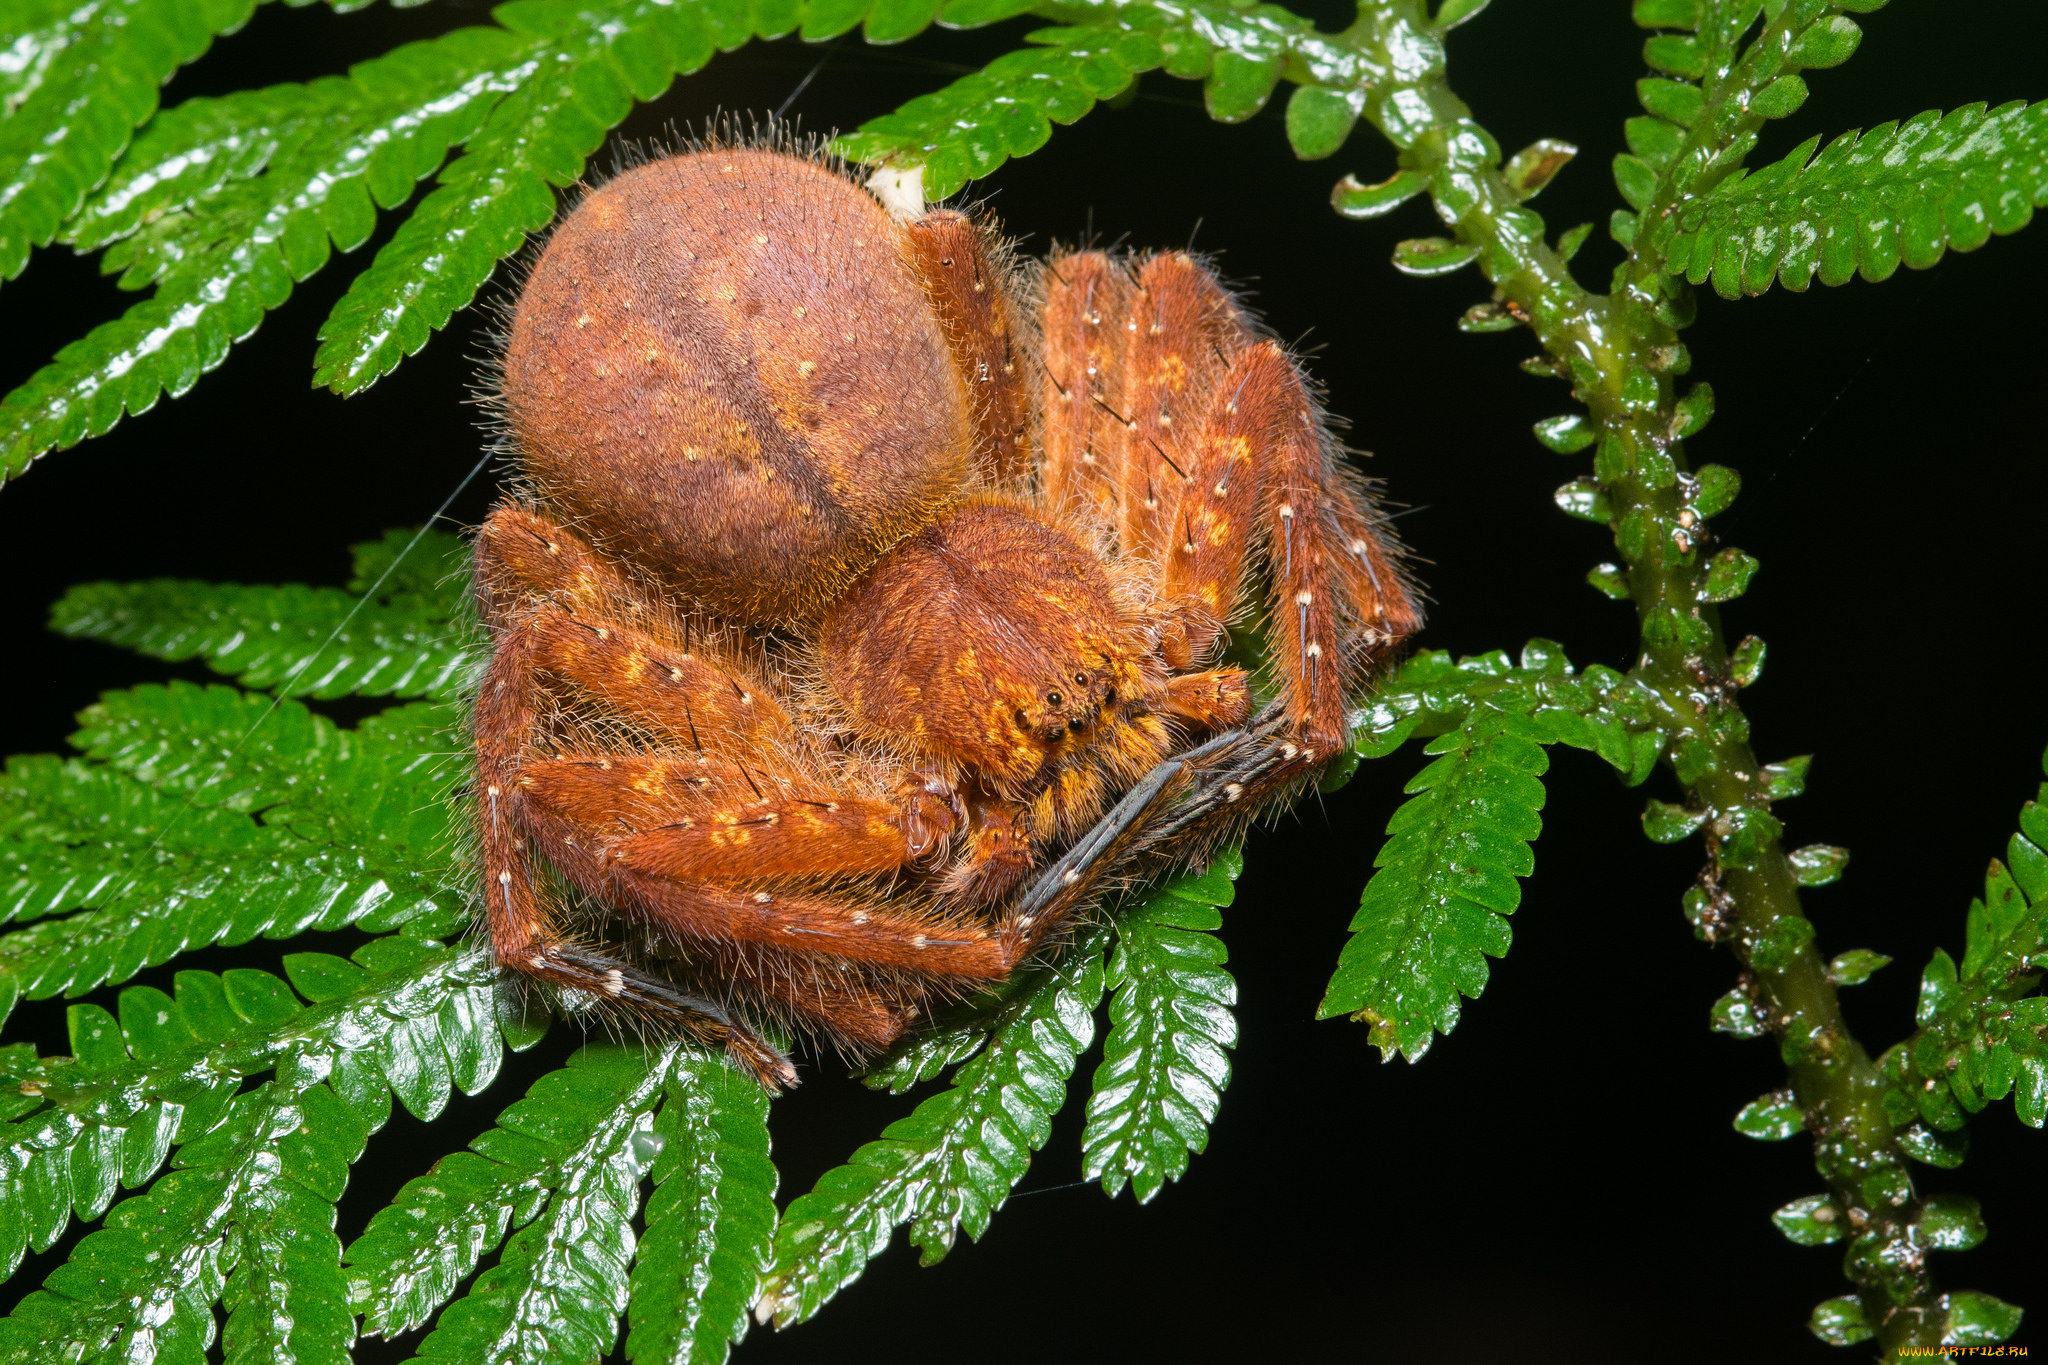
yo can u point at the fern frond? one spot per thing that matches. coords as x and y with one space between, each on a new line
1983 1026
1898 194
926 1056
188 152
249 1212
81 78
103 1121
567 1162
955 1033
411 642
1714 91
173 833
221 261
710 1222
1434 911
954 1160
1008 108
1599 710
1431 914
1165 1062
588 70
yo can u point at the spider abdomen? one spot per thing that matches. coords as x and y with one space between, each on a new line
748 402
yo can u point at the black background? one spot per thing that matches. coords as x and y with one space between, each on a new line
1558 1179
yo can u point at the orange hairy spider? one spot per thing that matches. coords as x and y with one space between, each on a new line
860 573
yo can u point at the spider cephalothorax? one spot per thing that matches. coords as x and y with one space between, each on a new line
859 572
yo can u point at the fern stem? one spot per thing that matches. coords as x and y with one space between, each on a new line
1620 354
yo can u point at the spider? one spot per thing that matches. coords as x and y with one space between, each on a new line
858 572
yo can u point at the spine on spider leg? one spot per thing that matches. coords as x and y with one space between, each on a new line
1087 294
970 288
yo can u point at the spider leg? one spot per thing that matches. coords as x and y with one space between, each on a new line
691 817
649 996
1331 574
786 950
864 1010
517 916
1225 776
522 555
637 832
1082 325
876 934
686 699
1216 517
967 291
523 934
1336 600
1180 332
1384 605
650 875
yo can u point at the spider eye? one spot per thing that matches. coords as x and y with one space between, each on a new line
1080 680
1077 725
1023 721
1053 699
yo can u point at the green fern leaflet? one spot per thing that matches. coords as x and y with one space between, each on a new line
1983 1028
248 1212
82 79
1901 194
952 1162
413 640
1166 1061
